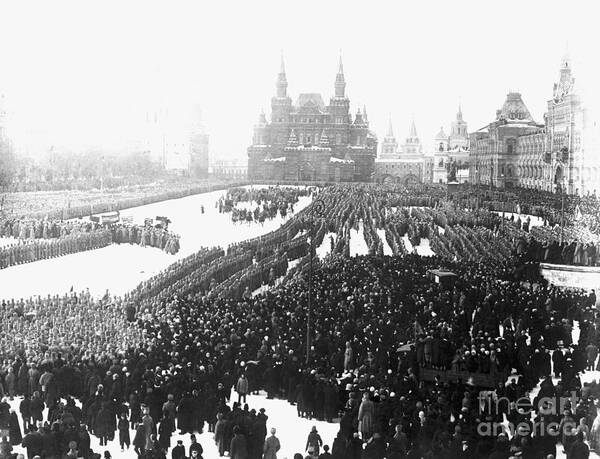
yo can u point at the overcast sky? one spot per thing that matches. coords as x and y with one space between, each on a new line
78 73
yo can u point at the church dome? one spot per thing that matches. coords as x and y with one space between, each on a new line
441 135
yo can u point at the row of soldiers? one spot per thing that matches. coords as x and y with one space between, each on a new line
30 251
43 229
146 235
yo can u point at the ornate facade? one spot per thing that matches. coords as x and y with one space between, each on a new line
309 140
406 165
556 155
494 155
451 152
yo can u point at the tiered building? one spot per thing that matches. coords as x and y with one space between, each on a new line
407 164
308 140
451 152
557 155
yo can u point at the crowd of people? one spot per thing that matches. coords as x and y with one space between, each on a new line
33 240
260 204
70 204
168 355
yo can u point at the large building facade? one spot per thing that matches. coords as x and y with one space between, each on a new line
557 155
407 164
309 140
451 152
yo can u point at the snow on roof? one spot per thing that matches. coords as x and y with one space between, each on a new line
333 159
312 147
275 160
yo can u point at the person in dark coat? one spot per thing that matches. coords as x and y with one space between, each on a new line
339 449
578 449
84 441
15 430
103 426
195 446
185 415
139 441
123 427
220 428
178 451
165 430
239 446
25 410
33 443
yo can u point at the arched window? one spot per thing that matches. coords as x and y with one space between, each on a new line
338 139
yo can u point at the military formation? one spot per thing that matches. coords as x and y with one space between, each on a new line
170 353
34 240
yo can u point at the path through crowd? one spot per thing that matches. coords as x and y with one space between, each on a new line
358 245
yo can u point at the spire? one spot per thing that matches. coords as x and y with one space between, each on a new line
390 131
359 118
459 115
340 82
413 130
282 80
365 114
566 60
262 119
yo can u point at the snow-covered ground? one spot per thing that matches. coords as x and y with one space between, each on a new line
407 244
119 268
292 431
387 250
325 248
358 246
424 249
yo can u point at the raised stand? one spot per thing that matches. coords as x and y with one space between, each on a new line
453 187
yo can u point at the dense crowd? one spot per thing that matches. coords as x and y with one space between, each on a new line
168 355
260 204
69 204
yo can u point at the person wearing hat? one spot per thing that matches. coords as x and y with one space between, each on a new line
242 388
178 451
238 448
271 446
366 412
195 446
313 443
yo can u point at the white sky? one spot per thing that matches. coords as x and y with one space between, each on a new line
79 73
